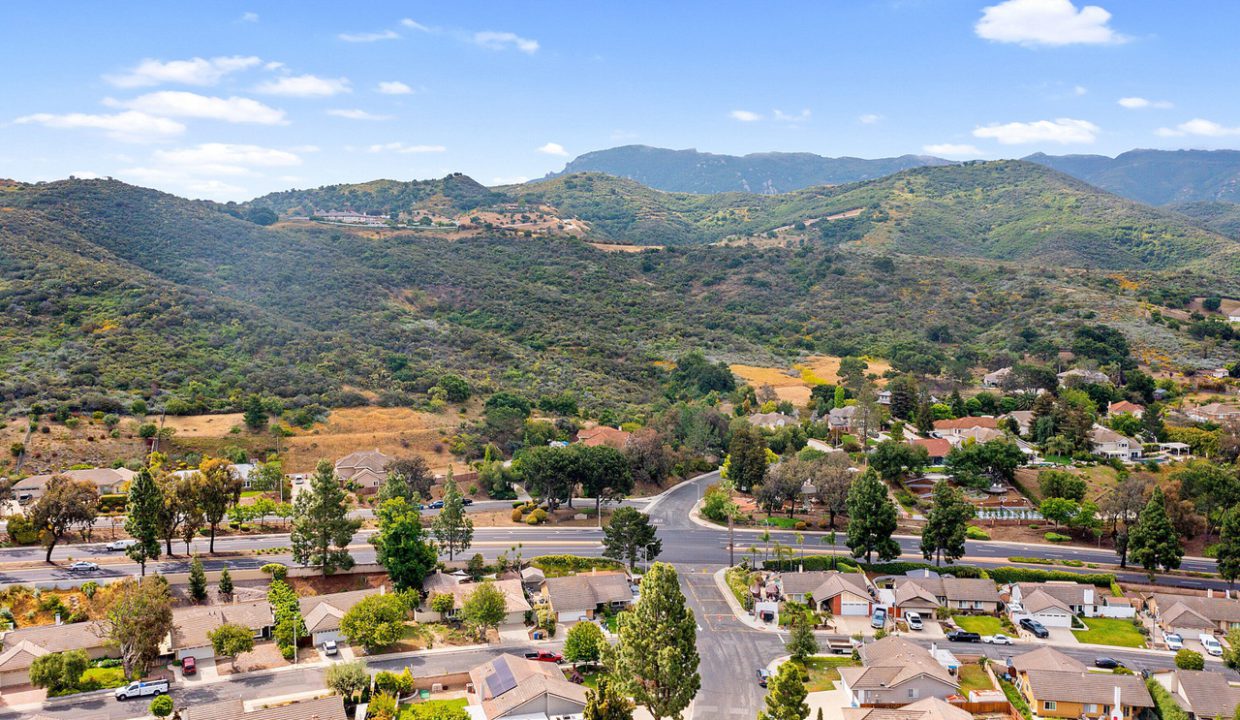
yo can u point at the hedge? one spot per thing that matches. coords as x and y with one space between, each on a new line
1164 704
1018 701
1002 575
1007 574
811 562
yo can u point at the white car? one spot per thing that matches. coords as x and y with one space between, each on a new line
329 647
1211 644
121 544
83 566
1173 641
997 639
914 620
148 688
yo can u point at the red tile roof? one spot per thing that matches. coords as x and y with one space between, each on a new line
967 422
936 447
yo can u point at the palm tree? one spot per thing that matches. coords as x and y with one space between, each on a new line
766 539
829 538
801 542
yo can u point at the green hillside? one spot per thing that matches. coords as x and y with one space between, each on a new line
454 193
1157 177
1221 217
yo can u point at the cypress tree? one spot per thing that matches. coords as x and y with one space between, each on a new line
322 529
197 580
656 658
871 519
142 523
785 697
1229 546
946 524
1153 542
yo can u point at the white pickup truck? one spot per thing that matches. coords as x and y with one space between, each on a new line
148 688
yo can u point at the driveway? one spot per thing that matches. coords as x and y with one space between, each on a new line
853 624
830 702
1062 636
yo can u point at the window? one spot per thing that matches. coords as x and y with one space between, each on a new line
912 693
1048 705
1092 709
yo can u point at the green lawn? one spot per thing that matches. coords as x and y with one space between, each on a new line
980 624
824 671
780 522
1110 631
973 677
419 710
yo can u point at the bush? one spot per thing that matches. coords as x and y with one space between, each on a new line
517 514
21 531
89 588
275 570
381 707
800 525
537 517
1006 575
161 706
1167 707
395 684
1056 537
974 532
1189 660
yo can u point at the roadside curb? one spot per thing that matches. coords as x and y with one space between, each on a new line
737 611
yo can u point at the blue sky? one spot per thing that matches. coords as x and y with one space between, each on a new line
230 100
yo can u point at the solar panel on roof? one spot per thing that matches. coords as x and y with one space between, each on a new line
501 680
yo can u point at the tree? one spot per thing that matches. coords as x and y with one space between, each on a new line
254 413
197 580
162 706
1059 510
375 622
484 608
801 641
1213 488
1189 660
656 658
892 458
1231 650
348 679
453 529
443 603
230 640
456 388
401 545
1153 542
605 703
944 534
980 465
605 473
64 505
142 523
322 529
1123 504
1061 484
629 536
747 460
782 487
226 584
548 473
179 510
407 476
584 643
833 476
218 489
785 696
1229 547
136 616
872 519
650 460
59 672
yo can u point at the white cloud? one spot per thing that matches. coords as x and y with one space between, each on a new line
174 103
128 126
802 116
414 25
251 17
400 147
394 87
952 150
196 71
370 36
744 116
356 114
1064 131
492 40
304 86
1046 22
1080 90
1139 103
1199 127
869 118
222 159
553 149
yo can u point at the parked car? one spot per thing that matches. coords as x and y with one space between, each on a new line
964 636
189 666
1038 629
121 544
1211 644
914 620
1173 640
545 656
997 639
84 566
1107 663
330 648
147 688
764 677
437 505
299 480
879 619
467 501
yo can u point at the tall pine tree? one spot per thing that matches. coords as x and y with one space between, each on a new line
1153 541
606 703
871 519
785 695
142 523
1229 546
401 545
322 529
656 658
944 534
453 529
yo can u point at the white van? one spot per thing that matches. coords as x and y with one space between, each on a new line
1211 644
121 545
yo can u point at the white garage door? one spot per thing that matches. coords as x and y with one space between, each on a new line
203 652
854 607
1059 620
322 637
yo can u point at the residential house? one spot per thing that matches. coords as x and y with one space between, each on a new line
1075 694
367 469
925 592
1190 615
820 446
936 448
957 426
322 613
107 481
603 435
461 587
1081 376
1053 603
997 378
1204 694
1213 412
976 434
22 646
348 217
1107 443
895 671
191 626
1123 406
840 593
513 687
330 707
1023 418
931 708
1043 607
771 420
841 419
883 397
581 596
1044 658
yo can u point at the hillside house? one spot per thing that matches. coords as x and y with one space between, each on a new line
107 481
1081 376
367 469
895 671
771 420
841 419
997 378
461 587
957 427
1213 412
603 435
1023 419
936 448
1105 442
1123 406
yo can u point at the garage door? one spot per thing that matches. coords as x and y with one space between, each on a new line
199 653
322 637
854 607
1054 619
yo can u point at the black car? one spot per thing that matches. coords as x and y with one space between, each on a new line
1038 629
763 676
1107 663
964 636
467 501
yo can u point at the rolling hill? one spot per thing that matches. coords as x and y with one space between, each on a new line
1157 177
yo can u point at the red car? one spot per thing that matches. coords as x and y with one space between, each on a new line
189 666
545 656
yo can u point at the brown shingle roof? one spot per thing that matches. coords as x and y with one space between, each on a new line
57 638
967 422
1046 658
325 708
587 590
953 589
824 584
191 625
353 463
323 612
1216 609
529 680
893 660
930 708
461 588
1207 694
1088 688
